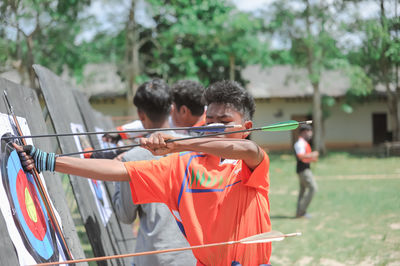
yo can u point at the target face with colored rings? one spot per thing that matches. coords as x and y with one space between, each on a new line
28 209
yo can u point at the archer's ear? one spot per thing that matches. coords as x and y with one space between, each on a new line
141 115
247 124
184 110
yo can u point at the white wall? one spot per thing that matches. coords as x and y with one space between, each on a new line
341 129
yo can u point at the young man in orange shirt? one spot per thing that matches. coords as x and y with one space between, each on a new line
216 188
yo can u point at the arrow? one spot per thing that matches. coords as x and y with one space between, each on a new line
211 128
260 238
281 126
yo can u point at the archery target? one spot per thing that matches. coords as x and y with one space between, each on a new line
22 206
30 215
96 186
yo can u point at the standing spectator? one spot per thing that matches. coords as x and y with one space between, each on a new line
305 156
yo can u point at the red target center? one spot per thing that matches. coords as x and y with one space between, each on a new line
30 206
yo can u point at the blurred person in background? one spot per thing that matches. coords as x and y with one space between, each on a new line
304 156
158 229
187 104
188 110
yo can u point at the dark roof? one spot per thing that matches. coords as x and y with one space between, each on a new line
288 82
102 81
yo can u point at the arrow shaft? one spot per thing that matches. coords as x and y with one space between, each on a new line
177 139
139 254
151 130
265 240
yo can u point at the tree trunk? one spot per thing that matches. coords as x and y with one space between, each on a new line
30 62
231 67
393 105
318 138
314 73
132 52
135 66
392 96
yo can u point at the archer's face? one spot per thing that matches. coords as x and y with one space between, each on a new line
224 114
307 135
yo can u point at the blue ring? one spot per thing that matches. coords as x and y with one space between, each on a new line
43 247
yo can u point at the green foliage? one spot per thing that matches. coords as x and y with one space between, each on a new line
281 57
315 47
49 40
360 83
204 39
380 49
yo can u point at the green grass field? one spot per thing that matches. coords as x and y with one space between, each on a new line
355 214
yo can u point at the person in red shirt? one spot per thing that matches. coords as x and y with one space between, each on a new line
304 156
216 188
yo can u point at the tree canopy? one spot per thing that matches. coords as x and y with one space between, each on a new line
209 40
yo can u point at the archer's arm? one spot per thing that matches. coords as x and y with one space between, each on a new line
309 157
101 169
227 148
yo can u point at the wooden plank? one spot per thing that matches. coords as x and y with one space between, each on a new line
26 104
95 121
63 111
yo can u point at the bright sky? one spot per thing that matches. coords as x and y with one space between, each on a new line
250 5
108 16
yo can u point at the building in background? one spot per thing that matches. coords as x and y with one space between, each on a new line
283 93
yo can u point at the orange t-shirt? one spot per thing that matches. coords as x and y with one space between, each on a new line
211 200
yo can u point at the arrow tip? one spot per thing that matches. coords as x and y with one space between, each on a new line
293 234
308 122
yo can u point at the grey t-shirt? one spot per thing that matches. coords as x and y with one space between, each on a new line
158 228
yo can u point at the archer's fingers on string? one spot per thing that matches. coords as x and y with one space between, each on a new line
153 140
143 142
161 140
156 141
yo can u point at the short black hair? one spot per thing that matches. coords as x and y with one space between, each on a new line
232 93
304 127
189 93
154 99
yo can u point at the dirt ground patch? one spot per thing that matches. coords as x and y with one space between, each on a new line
330 262
304 261
359 177
395 226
